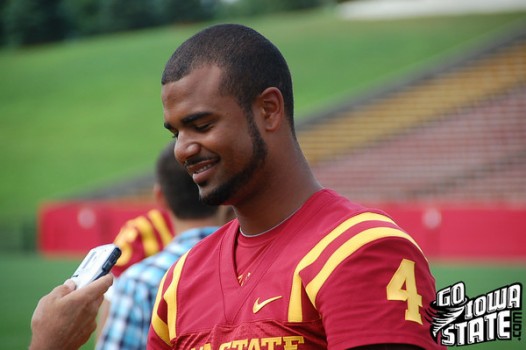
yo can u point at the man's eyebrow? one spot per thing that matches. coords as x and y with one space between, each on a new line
193 117
188 119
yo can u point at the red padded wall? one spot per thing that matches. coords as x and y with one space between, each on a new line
442 230
72 228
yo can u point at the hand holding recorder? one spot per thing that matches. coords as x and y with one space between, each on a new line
66 317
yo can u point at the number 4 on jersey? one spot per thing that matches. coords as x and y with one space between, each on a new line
405 275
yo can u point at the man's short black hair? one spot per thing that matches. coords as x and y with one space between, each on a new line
250 63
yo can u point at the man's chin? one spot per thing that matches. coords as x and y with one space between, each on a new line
210 197
211 200
214 196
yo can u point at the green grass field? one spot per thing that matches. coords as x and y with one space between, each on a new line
27 277
84 114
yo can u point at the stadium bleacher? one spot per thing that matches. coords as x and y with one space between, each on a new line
429 138
436 159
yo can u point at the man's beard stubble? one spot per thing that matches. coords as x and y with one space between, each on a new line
227 190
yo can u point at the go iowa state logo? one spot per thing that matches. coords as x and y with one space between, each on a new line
457 320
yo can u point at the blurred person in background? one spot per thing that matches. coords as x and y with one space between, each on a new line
134 291
65 318
301 267
138 239
146 234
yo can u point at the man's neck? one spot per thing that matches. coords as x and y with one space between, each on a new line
276 202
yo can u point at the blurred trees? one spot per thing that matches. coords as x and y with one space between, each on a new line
258 7
33 21
27 22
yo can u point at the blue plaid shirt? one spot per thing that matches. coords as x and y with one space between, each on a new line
135 291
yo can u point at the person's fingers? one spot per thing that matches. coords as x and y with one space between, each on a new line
99 301
101 285
62 290
93 291
71 284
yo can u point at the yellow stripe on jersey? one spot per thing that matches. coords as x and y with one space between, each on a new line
295 313
346 250
123 239
170 296
158 325
148 238
160 224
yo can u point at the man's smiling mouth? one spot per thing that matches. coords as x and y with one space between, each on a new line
196 167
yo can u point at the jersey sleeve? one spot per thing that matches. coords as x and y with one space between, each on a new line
142 237
372 287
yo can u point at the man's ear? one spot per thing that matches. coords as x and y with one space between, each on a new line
270 103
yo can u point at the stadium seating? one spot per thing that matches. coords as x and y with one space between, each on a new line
456 133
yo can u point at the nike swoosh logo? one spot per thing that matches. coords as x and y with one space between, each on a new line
258 306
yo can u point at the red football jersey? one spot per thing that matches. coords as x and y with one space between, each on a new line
334 275
142 237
